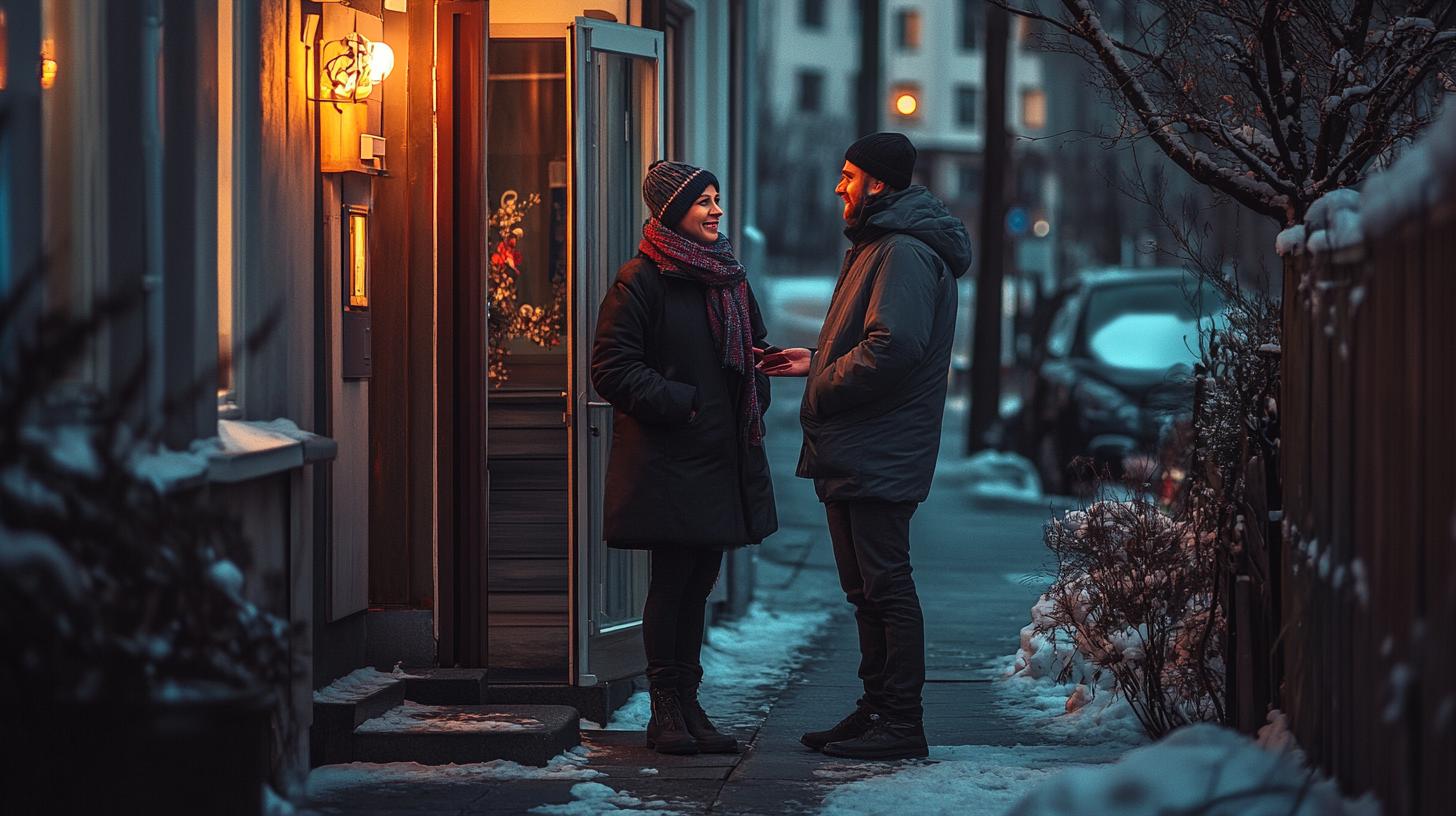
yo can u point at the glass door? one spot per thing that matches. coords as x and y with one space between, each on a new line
616 85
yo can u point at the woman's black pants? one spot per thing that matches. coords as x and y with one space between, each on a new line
673 619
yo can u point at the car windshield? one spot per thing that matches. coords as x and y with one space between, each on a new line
1145 326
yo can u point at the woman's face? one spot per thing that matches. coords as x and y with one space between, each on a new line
701 222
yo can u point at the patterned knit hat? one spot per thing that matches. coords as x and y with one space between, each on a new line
671 188
889 157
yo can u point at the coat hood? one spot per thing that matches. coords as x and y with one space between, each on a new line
914 211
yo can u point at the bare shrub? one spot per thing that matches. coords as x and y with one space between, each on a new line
1135 594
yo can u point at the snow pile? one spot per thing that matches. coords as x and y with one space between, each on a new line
421 719
998 475
1201 769
331 779
745 662
957 780
1052 686
1332 223
355 686
593 798
1424 175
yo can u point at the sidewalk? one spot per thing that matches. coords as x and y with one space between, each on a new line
970 558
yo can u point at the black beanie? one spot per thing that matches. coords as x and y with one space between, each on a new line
888 157
670 189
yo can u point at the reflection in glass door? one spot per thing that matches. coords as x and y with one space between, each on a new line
616 88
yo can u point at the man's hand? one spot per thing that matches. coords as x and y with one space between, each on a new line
792 362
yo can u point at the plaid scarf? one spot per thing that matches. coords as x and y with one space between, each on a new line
718 270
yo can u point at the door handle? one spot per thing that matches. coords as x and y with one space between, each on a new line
593 429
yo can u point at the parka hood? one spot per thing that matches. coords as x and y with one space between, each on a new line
914 211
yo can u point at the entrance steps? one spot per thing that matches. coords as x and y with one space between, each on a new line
433 717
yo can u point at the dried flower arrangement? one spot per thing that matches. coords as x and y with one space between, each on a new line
541 325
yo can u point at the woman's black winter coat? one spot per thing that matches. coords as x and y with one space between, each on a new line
672 481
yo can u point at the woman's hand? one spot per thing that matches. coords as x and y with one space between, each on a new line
792 362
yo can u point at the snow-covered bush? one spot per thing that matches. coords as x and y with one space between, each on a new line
109 589
1132 609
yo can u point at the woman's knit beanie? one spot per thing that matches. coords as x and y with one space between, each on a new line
889 157
670 189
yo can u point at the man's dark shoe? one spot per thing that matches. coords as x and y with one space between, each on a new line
886 739
666 731
710 740
848 728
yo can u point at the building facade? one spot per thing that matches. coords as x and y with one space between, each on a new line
318 206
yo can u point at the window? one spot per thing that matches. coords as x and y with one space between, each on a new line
968 182
970 24
968 106
812 13
1033 109
907 29
811 91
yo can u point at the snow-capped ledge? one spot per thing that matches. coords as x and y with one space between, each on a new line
240 451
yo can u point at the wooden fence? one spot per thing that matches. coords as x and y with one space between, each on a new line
1368 455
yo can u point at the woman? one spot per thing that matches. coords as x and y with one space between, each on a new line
688 477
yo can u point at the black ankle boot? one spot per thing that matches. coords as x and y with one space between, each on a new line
666 731
888 738
710 740
848 728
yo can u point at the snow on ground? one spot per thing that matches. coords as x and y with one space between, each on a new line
1201 769
416 718
594 798
331 779
356 685
994 474
745 662
956 780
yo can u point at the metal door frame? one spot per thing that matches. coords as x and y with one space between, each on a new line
589 412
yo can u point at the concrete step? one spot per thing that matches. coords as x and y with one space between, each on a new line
460 734
345 705
446 686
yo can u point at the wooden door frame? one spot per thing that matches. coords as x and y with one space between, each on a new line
461 364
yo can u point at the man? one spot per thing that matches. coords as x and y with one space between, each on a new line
871 414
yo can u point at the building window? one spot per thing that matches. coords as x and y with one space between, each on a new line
907 29
811 91
968 182
812 13
1033 109
970 24
968 106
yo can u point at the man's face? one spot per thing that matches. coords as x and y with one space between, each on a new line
854 186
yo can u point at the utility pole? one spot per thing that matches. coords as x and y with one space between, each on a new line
867 89
986 349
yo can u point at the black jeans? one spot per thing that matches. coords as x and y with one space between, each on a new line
672 620
872 550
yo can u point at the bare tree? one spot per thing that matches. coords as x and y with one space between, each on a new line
1272 103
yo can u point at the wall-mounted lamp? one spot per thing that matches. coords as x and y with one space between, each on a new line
352 66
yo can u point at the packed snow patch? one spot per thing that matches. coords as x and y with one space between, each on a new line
331 779
594 798
355 686
998 475
958 779
1200 768
420 719
742 660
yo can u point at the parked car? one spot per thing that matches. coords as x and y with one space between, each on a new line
1112 367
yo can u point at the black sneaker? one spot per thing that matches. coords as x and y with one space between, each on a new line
848 728
886 739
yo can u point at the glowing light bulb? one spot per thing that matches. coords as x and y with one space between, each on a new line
381 61
906 104
47 73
